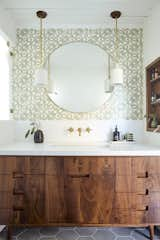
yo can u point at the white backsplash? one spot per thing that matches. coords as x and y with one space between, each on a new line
56 130
7 131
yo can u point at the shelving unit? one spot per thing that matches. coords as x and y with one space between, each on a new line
153 94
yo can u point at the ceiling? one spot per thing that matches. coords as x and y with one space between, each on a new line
78 13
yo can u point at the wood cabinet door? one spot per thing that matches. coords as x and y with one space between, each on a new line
34 207
89 199
7 165
79 190
54 199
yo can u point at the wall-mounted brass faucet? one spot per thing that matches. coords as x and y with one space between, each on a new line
79 131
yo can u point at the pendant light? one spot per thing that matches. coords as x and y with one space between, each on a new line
107 85
41 74
117 71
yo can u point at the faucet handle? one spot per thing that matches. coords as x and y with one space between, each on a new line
71 129
88 129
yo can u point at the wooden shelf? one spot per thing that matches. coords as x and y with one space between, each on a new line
153 89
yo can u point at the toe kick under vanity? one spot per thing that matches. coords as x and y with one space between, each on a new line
78 190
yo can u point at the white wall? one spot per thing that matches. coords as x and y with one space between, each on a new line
7 25
151 52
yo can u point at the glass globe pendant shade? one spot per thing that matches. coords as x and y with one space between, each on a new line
117 75
108 88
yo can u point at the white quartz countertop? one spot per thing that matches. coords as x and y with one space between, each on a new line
48 149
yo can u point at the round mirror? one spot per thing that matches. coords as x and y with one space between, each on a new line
78 76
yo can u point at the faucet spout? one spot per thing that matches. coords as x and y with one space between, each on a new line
79 131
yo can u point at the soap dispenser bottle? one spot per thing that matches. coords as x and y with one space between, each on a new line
116 134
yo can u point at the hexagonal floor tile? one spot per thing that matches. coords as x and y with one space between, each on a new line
32 233
49 231
122 231
18 230
140 234
104 235
67 235
85 231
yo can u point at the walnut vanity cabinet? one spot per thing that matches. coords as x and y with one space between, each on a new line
82 191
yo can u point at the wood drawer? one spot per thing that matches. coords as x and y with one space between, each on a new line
146 164
30 165
89 165
151 216
5 216
122 216
6 183
7 164
35 165
137 166
80 165
137 201
133 184
6 200
134 217
77 165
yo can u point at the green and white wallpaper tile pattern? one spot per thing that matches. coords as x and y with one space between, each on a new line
30 102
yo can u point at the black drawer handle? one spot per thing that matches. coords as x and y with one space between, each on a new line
18 208
15 192
144 194
145 176
18 174
80 176
142 210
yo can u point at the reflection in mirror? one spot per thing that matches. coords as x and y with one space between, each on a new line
78 77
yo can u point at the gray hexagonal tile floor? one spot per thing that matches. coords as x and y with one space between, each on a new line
80 233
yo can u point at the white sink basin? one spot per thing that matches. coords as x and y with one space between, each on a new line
78 146
78 143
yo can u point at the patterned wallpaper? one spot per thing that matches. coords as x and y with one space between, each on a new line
30 102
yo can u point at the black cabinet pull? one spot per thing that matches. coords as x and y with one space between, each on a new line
18 192
145 193
18 208
18 174
80 176
142 210
145 176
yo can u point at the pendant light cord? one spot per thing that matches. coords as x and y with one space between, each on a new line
41 44
117 42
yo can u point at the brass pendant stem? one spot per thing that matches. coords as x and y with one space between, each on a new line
117 42
41 44
116 15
